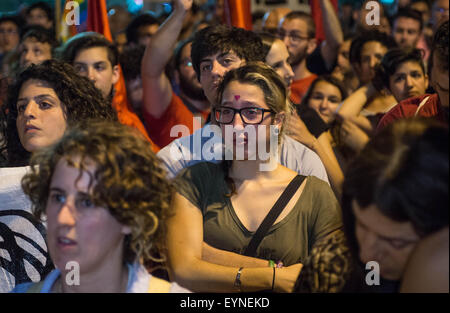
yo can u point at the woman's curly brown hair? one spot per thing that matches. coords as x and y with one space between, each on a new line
128 181
79 98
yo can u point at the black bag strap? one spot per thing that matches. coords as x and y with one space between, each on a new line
273 214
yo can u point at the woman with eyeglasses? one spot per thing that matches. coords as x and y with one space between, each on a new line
225 204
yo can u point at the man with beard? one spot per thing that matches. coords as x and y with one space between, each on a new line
298 31
162 106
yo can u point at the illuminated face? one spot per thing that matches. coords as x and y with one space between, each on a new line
383 240
294 33
94 64
9 36
406 32
325 99
277 58
423 8
256 117
371 55
34 52
212 70
77 229
38 16
408 81
40 118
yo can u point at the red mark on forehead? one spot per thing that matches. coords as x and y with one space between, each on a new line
237 97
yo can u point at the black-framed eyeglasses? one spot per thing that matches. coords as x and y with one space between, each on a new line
251 115
292 36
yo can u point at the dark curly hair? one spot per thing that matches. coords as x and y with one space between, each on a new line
440 45
86 40
129 181
40 34
404 172
79 98
220 38
365 37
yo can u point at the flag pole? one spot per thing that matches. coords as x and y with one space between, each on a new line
58 18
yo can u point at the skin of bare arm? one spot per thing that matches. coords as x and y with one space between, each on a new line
297 129
354 103
427 268
185 244
333 33
156 86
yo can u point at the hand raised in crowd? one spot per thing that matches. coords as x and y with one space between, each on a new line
352 135
297 129
183 5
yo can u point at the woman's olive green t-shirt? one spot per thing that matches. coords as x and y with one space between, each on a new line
316 214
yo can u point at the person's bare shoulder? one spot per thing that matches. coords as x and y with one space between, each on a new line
428 266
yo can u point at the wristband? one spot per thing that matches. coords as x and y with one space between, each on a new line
237 281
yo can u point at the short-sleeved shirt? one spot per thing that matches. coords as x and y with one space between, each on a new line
409 107
300 87
177 113
315 215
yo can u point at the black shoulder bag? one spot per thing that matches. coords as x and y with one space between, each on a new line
273 214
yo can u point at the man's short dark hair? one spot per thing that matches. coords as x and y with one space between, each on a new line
88 40
409 13
365 37
392 61
139 21
307 18
10 18
220 38
40 34
130 60
44 7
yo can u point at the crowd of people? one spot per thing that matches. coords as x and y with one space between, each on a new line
240 160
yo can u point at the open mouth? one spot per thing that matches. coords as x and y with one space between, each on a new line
65 242
31 128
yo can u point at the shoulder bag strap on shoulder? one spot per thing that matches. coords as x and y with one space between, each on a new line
273 214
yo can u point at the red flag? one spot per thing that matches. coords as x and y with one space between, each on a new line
238 13
316 13
97 21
